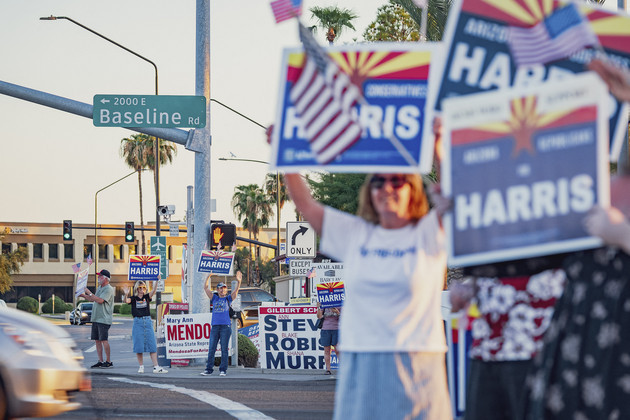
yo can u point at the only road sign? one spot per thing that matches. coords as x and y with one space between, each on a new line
149 111
300 240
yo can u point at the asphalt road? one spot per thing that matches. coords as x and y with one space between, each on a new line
122 393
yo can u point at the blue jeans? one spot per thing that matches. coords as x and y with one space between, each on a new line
223 333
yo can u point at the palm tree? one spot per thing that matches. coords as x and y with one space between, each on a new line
270 190
139 153
436 19
333 20
252 208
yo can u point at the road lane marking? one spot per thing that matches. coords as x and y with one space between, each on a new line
233 408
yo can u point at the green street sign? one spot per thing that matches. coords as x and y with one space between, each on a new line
149 111
158 247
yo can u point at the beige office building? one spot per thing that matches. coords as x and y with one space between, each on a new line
48 269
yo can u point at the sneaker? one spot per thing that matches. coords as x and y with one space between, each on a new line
159 369
141 369
107 365
97 365
222 373
206 373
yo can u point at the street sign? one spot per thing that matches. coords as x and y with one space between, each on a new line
300 240
173 229
158 247
149 111
299 268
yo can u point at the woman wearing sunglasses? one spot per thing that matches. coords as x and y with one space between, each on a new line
142 334
391 330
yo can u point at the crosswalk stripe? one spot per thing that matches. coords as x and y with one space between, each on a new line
233 408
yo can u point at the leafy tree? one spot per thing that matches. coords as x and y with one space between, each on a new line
340 191
333 20
392 23
139 153
10 263
436 18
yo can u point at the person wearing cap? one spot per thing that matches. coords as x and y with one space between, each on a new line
142 334
102 317
220 330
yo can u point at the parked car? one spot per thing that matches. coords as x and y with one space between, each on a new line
41 368
251 299
82 314
3 304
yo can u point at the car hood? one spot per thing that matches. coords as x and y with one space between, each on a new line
17 317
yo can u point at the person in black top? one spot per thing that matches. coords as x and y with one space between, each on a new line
142 334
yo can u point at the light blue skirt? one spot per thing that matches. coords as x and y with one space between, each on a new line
143 336
392 386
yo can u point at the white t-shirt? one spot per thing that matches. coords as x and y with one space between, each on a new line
393 283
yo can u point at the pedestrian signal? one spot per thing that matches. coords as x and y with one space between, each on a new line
223 234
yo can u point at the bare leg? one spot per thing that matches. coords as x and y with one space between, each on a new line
327 357
154 358
140 359
99 350
106 348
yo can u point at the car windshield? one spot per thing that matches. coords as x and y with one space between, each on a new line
86 306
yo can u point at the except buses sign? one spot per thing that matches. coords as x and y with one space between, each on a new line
149 111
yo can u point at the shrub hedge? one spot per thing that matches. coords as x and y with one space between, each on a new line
27 304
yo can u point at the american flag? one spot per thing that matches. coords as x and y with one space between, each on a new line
89 259
562 33
76 268
324 98
286 9
310 273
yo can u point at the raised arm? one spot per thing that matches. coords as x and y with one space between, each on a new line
206 288
239 278
311 209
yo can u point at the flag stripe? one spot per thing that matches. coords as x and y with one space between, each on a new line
286 9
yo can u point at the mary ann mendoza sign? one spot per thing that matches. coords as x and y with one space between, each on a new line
523 169
394 81
479 57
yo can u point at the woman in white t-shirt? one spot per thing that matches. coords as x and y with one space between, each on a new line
391 331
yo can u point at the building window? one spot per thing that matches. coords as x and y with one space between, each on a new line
38 252
87 252
68 252
118 252
53 252
6 248
25 246
132 250
102 252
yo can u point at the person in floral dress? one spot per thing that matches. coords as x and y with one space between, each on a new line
583 370
515 313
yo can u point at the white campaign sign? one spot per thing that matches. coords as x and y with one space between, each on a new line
188 336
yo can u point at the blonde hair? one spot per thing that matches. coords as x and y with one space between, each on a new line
418 203
139 284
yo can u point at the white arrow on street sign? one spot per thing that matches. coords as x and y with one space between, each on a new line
300 240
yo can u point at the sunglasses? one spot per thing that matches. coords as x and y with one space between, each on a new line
396 181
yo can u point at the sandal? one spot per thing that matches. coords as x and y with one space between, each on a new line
328 372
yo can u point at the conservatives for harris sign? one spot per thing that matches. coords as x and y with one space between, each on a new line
144 267
479 57
523 168
393 79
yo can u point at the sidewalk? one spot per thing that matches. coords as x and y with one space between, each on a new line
126 363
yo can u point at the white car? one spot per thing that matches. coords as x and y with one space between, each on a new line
40 367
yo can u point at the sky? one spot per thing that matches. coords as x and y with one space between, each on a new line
52 162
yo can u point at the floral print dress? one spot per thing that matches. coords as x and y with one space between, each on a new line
583 370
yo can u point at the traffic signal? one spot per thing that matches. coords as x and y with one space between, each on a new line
129 232
222 233
67 230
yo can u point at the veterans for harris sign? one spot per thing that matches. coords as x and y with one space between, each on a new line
393 79
144 267
479 57
523 168
217 262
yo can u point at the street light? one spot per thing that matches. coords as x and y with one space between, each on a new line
277 200
96 253
156 147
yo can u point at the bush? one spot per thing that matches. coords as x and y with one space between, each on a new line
60 306
117 309
125 309
28 304
247 352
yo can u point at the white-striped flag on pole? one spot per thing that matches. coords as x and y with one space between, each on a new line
324 98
